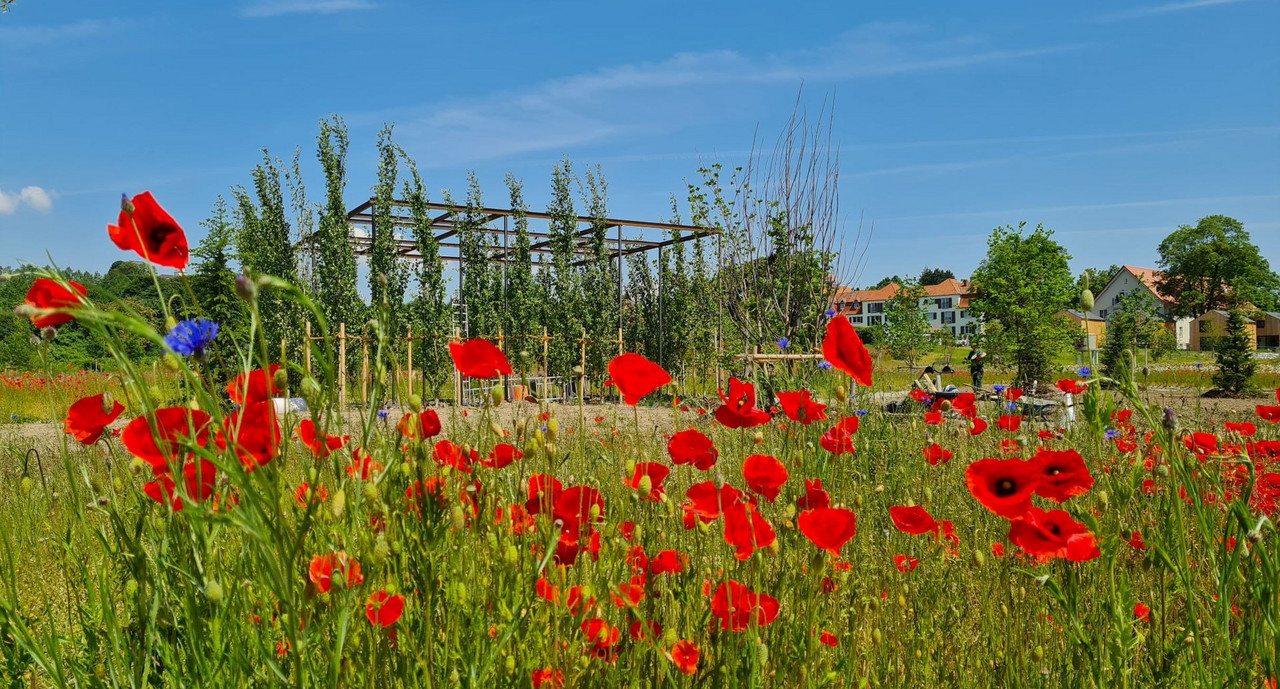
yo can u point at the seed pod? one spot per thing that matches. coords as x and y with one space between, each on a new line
553 430
1086 300
338 504
496 395
245 289
758 438
281 378
213 591
842 393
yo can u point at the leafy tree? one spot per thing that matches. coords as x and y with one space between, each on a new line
1019 288
1234 355
304 221
1214 265
213 281
433 315
481 284
886 281
1135 323
388 275
906 330
641 305
1093 279
522 315
600 285
264 245
935 276
566 303
335 265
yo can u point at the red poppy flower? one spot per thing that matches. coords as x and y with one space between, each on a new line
87 418
362 465
1063 474
920 396
630 594
815 497
964 404
828 639
799 406
1003 486
1013 394
306 495
656 473
647 630
1142 612
319 445
684 654
746 529
737 607
150 232
691 446
198 479
636 376
1271 414
420 426
844 349
839 439
828 528
668 562
905 563
914 520
320 572
1245 429
254 434
706 501
255 386
1135 541
739 408
383 609
548 677
1053 534
450 454
157 440
602 636
978 426
48 295
1011 423
502 455
765 475
1203 444
479 359
579 508
543 490
1071 386
933 418
935 453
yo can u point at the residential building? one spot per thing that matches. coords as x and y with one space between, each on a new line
1096 329
946 306
1212 326
1268 329
1130 279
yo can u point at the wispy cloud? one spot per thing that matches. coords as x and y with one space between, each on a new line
25 37
659 97
1085 207
33 197
1167 8
275 8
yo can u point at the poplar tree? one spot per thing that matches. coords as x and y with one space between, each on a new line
566 304
264 244
335 264
521 317
432 312
599 284
388 275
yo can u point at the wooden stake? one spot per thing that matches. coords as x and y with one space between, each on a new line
306 351
364 370
342 364
409 340
582 367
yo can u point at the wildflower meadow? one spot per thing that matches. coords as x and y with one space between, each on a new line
208 536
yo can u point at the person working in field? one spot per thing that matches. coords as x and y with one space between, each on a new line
976 366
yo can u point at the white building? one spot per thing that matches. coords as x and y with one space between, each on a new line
946 306
1131 279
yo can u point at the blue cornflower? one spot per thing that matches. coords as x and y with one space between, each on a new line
1112 433
998 387
830 313
382 413
782 342
14 417
190 337
824 365
861 412
1198 364
1084 371
1010 406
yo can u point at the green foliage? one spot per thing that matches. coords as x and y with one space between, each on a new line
433 316
213 282
1133 324
1214 265
388 275
565 305
264 244
1020 287
935 276
335 263
886 281
522 316
1093 279
599 276
1234 355
905 328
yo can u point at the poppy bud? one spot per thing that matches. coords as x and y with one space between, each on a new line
170 323
137 465
857 501
126 204
511 665
213 591
245 289
842 393
1162 471
758 438
979 559
415 403
928 495
497 430
511 554
337 580
876 635
496 395
338 504
171 362
458 518
406 468
1086 300
646 484
1170 420
281 378
108 403
1191 638
1104 498
26 484
762 654
549 449
381 550
131 588
553 430
370 492
156 396
1039 653
670 637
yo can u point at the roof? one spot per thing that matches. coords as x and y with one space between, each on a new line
1149 277
950 287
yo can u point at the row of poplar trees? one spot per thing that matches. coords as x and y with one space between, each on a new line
511 285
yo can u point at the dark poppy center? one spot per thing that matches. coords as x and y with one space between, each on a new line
1006 487
1054 529
1053 471
158 233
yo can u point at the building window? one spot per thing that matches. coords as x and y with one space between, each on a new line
1102 313
942 302
933 315
873 320
949 317
875 307
964 314
855 319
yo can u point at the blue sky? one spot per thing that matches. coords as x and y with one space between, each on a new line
1111 123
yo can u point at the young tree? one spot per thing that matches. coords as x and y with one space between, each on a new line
566 304
213 282
1234 355
335 262
1135 323
522 316
388 274
264 245
1214 265
1093 279
600 284
433 315
1019 288
935 276
481 287
905 328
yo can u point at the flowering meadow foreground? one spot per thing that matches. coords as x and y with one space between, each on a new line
807 543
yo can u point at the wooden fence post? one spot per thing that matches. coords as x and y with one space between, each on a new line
457 377
342 364
409 340
306 351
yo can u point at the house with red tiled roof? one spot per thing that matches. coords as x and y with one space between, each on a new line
1132 278
946 306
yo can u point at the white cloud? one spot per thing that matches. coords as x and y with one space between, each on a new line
1168 8
275 8
33 197
658 97
20 37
